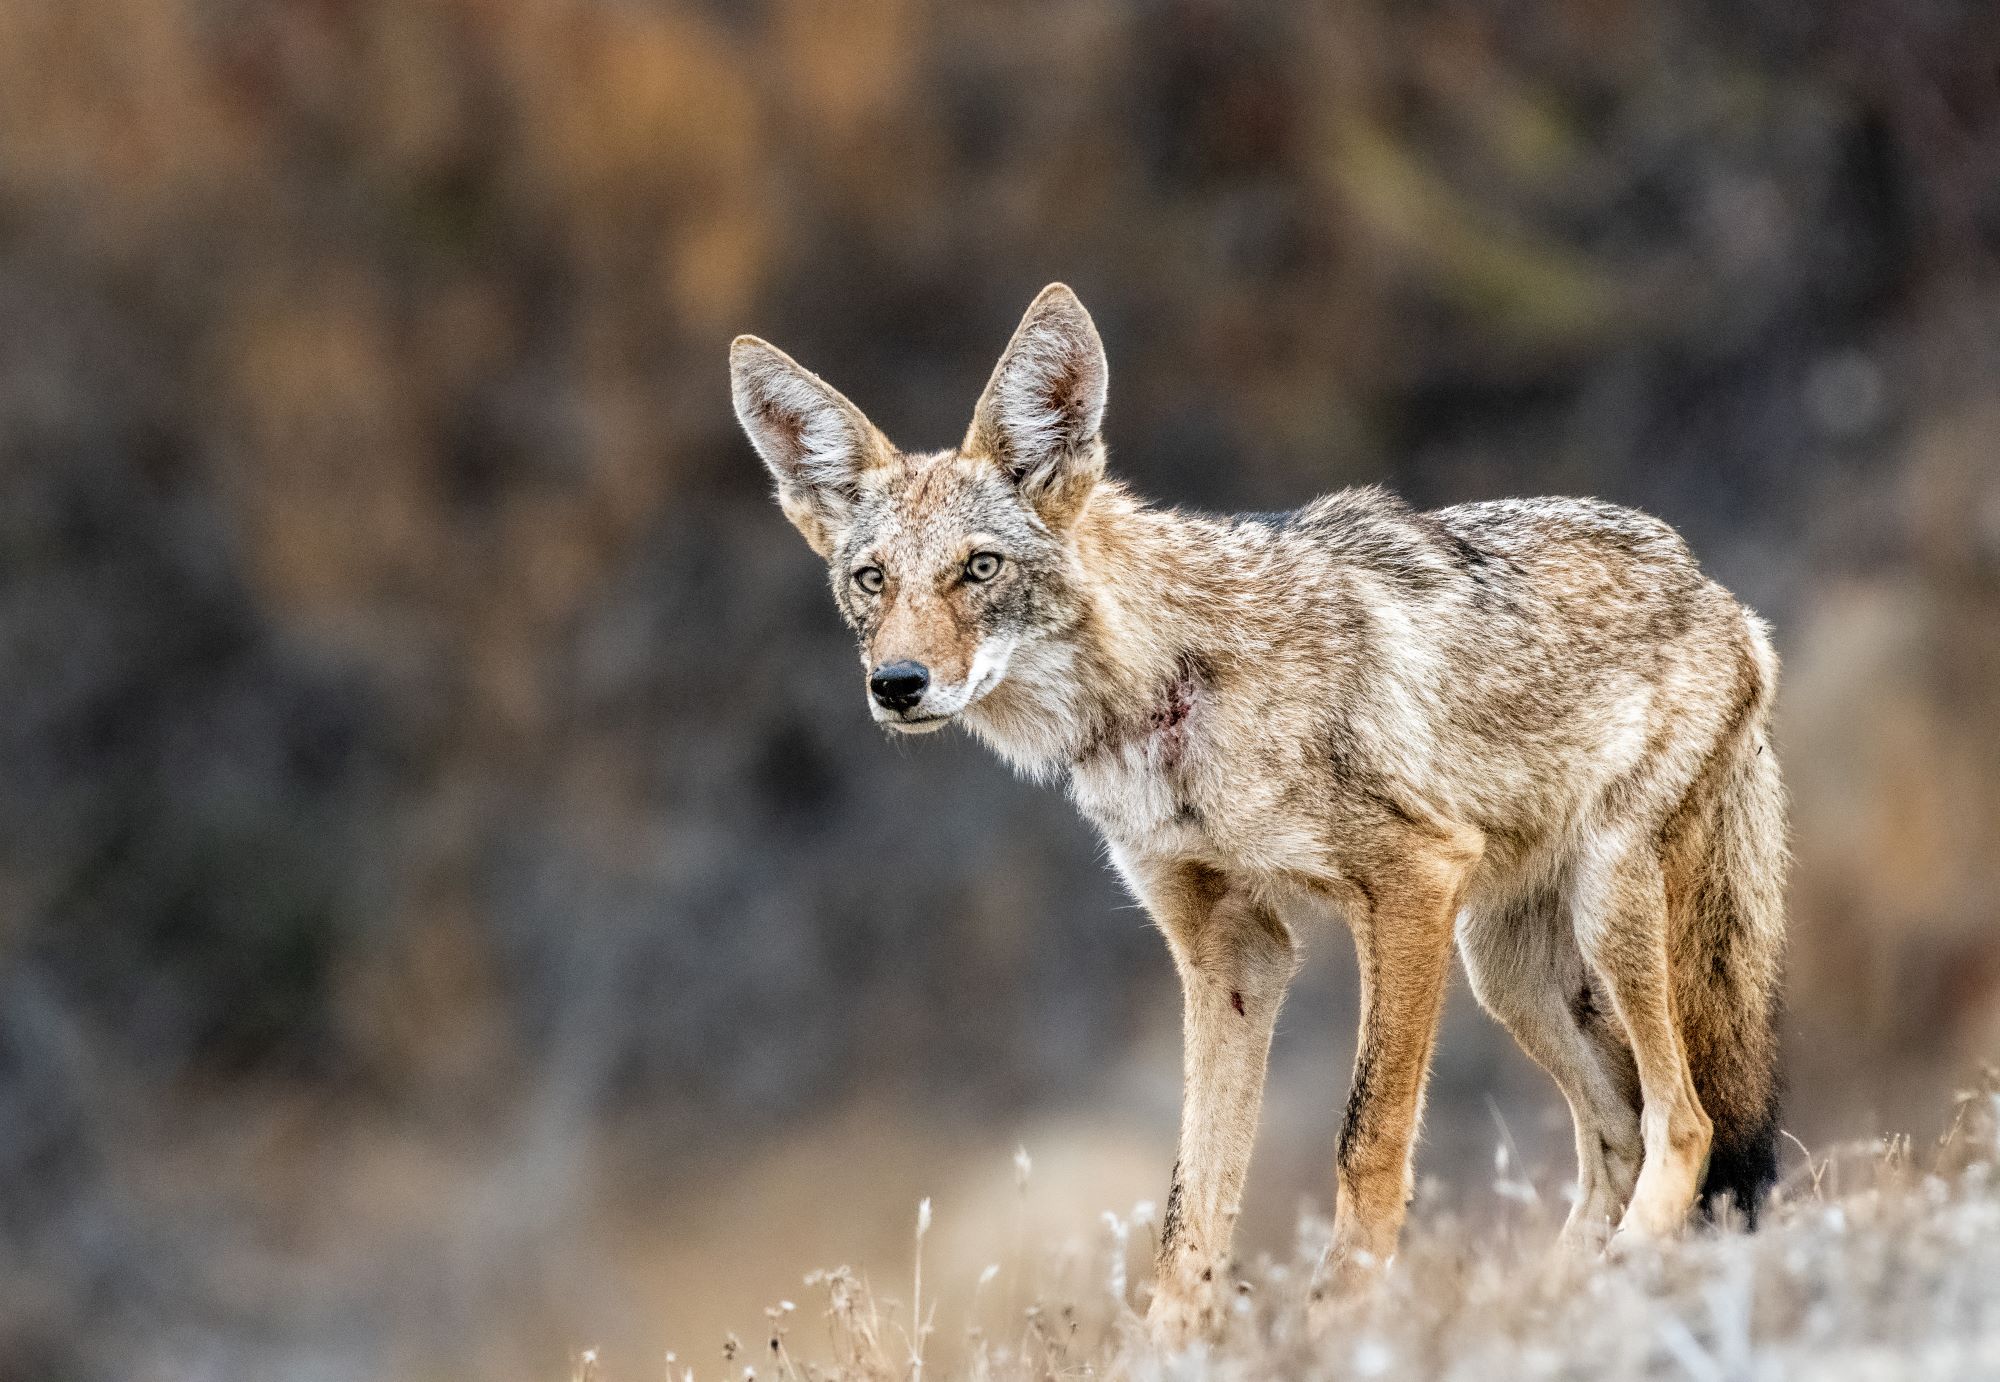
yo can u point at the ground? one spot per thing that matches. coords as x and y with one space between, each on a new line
1877 1259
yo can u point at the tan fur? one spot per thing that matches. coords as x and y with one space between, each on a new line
1529 729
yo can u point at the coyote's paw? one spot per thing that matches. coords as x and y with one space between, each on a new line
1652 1218
1326 1311
1344 1279
1639 1241
1586 1234
1187 1307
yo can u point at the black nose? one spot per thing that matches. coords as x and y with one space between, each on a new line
899 685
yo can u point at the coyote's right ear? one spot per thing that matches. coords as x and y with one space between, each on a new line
815 442
1041 413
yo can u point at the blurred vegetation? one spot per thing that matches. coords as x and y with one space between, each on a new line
416 715
1878 1260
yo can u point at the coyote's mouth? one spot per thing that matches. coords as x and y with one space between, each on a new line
921 724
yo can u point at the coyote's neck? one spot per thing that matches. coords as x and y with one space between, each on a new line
1128 664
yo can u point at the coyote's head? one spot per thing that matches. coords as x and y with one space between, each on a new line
954 565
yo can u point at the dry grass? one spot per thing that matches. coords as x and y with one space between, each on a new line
1876 1260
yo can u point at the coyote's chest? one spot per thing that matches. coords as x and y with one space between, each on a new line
1137 786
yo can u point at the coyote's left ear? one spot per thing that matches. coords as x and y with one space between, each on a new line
1042 411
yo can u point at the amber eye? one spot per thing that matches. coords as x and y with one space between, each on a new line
869 578
982 566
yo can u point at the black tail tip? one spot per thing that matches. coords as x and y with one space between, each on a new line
1741 1169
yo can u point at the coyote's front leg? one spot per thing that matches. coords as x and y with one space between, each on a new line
1235 956
1403 940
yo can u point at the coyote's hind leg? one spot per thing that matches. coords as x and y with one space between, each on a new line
1620 915
1526 970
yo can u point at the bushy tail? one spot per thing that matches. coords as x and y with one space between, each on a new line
1725 867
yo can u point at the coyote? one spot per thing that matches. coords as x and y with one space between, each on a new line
1532 727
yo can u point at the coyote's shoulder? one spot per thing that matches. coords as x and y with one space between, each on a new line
1530 730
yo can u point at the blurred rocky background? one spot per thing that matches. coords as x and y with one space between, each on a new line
454 907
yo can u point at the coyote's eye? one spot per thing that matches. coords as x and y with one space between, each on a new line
982 566
869 578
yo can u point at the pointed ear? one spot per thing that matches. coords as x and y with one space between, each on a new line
815 442
1042 411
